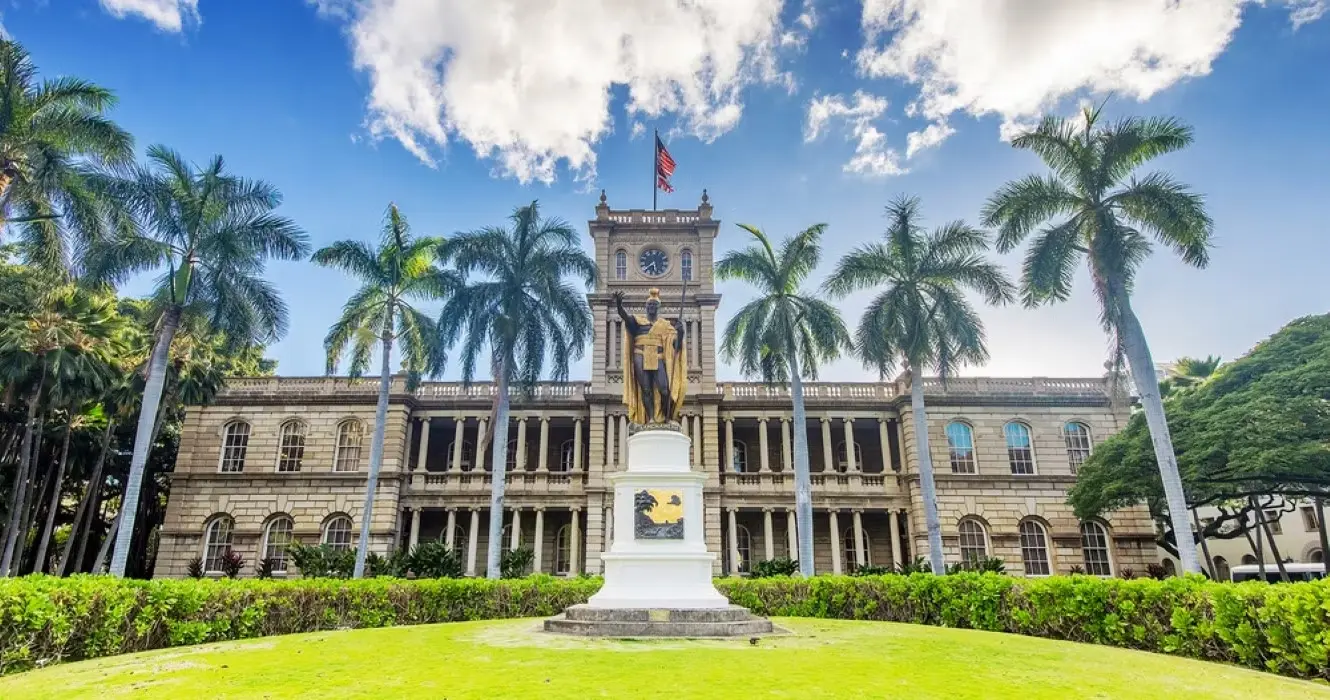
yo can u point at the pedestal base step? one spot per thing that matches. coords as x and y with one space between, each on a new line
588 621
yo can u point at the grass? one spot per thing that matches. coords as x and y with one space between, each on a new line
510 658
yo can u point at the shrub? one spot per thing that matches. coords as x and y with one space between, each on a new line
920 565
232 563
265 567
870 570
434 560
774 567
516 562
195 569
322 561
991 565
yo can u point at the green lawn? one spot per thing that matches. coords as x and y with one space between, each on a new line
510 658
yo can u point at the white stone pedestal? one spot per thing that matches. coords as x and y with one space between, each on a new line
658 573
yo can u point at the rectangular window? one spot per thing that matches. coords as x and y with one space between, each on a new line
1308 518
1272 519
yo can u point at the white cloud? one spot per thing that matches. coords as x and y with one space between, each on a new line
872 156
1019 58
528 84
638 129
808 16
931 136
169 15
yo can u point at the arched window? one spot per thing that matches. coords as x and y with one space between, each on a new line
851 564
1248 560
1094 549
1222 572
217 543
1077 437
1020 451
337 532
566 456
740 464
291 446
842 464
1317 556
276 538
960 441
467 450
350 436
459 540
235 442
686 265
1034 549
974 541
1170 569
745 542
621 265
563 552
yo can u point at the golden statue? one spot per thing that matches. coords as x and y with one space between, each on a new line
656 367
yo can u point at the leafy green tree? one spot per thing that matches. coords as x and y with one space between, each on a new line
399 272
522 314
782 336
921 317
1103 212
51 132
1259 427
209 235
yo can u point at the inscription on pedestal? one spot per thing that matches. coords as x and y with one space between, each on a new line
658 514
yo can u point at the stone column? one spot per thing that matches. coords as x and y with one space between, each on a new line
538 547
734 542
786 453
791 535
542 462
834 524
729 446
684 426
577 444
768 535
860 556
611 453
520 463
515 536
623 441
423 456
850 461
828 461
894 528
575 545
472 537
885 443
698 441
415 528
450 534
458 435
762 444
609 527
480 446
406 446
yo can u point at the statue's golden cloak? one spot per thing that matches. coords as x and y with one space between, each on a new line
655 345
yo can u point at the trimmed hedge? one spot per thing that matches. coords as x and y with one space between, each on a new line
1281 628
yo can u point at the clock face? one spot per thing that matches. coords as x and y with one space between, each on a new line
653 262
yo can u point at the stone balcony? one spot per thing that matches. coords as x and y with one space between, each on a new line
477 483
823 483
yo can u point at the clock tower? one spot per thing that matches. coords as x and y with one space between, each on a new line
669 249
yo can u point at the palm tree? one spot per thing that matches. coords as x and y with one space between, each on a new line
58 338
1187 373
51 131
400 271
1101 211
209 234
520 314
922 317
782 336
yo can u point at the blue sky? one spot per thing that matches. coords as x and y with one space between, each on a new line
789 114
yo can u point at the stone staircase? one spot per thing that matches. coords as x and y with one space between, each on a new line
588 621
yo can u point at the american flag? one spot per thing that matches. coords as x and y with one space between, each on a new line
664 166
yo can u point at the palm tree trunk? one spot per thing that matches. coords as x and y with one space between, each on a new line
19 497
499 477
803 488
40 561
375 450
36 488
152 397
1320 529
1147 386
83 516
926 485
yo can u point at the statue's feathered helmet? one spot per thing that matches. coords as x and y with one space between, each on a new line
653 297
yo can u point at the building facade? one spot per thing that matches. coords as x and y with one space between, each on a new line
280 459
1293 526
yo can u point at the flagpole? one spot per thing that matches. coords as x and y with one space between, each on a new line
655 166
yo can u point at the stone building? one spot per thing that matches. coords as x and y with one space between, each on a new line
280 458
